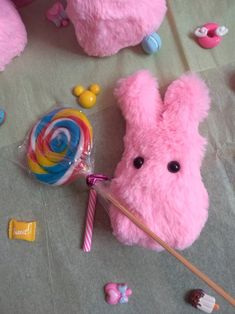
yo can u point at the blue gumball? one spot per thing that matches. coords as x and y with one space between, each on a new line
151 43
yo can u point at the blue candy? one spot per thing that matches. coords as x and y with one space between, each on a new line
151 43
2 116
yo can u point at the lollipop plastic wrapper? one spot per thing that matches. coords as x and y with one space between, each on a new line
57 151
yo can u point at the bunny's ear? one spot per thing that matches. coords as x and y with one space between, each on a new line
186 101
139 98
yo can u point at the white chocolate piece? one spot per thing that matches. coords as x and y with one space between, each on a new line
206 303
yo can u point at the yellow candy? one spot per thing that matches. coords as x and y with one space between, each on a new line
22 230
95 88
87 99
78 90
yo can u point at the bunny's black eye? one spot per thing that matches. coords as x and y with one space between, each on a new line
138 162
173 166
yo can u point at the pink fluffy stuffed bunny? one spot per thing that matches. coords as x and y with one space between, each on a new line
103 27
13 37
158 177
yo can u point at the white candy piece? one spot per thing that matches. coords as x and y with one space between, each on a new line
206 303
221 31
201 32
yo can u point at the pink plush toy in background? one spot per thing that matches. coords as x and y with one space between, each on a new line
158 177
103 27
13 37
21 3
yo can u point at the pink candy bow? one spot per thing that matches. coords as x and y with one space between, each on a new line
57 15
117 293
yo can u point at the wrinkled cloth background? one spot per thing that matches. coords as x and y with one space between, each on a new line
53 275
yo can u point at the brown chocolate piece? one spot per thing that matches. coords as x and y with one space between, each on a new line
195 296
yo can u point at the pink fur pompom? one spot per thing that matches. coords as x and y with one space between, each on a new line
13 37
103 27
158 177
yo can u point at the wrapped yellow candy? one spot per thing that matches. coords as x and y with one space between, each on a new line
22 230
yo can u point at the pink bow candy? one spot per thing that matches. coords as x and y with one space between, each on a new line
57 15
117 293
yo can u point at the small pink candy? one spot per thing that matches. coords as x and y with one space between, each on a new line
57 15
117 293
210 35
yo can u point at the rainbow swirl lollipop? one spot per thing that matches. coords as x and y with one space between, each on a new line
59 146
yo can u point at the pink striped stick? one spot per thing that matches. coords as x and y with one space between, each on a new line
90 221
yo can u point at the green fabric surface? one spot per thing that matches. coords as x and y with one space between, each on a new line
53 275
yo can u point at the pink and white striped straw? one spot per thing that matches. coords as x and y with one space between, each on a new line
91 180
90 221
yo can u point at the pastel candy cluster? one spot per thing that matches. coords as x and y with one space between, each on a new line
59 146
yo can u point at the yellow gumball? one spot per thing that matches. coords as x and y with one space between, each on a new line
95 88
87 99
78 90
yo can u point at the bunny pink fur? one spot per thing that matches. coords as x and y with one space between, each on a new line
13 37
173 205
103 27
